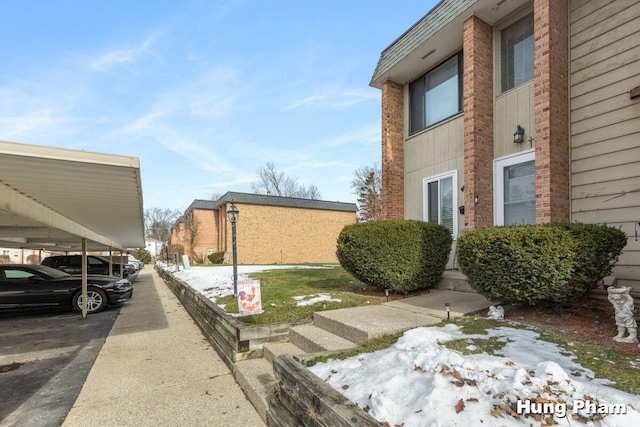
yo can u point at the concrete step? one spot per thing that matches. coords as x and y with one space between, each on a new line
274 349
313 339
255 377
454 281
434 303
360 324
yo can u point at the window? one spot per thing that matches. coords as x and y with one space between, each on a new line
440 200
436 95
516 53
17 274
515 189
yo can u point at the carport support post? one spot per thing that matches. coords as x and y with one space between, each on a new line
110 261
84 277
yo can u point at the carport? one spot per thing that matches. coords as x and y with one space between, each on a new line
69 200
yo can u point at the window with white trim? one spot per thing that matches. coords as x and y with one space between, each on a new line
515 189
441 200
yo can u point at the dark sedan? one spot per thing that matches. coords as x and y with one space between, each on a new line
72 264
26 285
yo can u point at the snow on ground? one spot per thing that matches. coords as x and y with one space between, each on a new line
304 300
217 282
418 382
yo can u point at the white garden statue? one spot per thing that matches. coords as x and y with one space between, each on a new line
623 304
496 313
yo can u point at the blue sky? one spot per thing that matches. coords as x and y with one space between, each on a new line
204 92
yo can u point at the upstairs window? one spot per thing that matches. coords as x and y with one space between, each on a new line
436 95
516 53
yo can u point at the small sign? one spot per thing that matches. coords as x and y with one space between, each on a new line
249 299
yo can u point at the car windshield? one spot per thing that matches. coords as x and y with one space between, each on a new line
49 271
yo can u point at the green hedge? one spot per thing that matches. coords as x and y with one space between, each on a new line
400 255
596 251
216 257
538 263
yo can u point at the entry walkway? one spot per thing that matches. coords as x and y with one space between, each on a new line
157 369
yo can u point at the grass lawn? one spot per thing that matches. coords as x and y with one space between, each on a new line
278 287
605 360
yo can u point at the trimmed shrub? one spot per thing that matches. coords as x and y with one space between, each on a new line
523 263
216 257
597 248
538 263
400 255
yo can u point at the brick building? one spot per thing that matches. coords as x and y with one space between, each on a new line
271 229
509 112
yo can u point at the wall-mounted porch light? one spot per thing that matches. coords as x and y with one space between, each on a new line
518 136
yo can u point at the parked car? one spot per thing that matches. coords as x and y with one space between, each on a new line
30 286
72 264
135 262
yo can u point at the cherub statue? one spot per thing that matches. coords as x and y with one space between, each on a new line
623 304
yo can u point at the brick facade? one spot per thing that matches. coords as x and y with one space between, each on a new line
478 123
392 191
551 111
268 234
547 112
284 235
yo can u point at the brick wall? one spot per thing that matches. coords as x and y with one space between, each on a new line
551 110
269 234
392 191
207 237
275 234
478 123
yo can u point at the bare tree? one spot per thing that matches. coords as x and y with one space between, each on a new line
215 196
158 222
310 192
276 182
191 226
366 184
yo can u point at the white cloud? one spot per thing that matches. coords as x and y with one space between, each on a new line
124 57
310 100
335 98
366 135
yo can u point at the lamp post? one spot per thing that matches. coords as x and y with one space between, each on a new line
233 214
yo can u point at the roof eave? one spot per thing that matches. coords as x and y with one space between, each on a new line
434 38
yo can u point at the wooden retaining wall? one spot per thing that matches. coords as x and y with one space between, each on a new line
300 397
229 337
303 399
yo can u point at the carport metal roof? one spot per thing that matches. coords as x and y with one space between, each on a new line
51 198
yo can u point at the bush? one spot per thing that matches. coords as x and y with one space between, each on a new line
538 263
142 255
401 255
216 257
597 248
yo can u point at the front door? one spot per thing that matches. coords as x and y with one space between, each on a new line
515 189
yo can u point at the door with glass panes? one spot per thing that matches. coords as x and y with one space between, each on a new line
515 189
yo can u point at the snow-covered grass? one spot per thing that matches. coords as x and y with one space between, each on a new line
420 382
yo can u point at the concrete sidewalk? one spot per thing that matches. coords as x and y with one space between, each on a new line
157 369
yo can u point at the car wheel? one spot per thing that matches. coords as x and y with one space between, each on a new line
96 300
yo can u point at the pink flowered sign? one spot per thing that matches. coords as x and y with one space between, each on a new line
249 300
